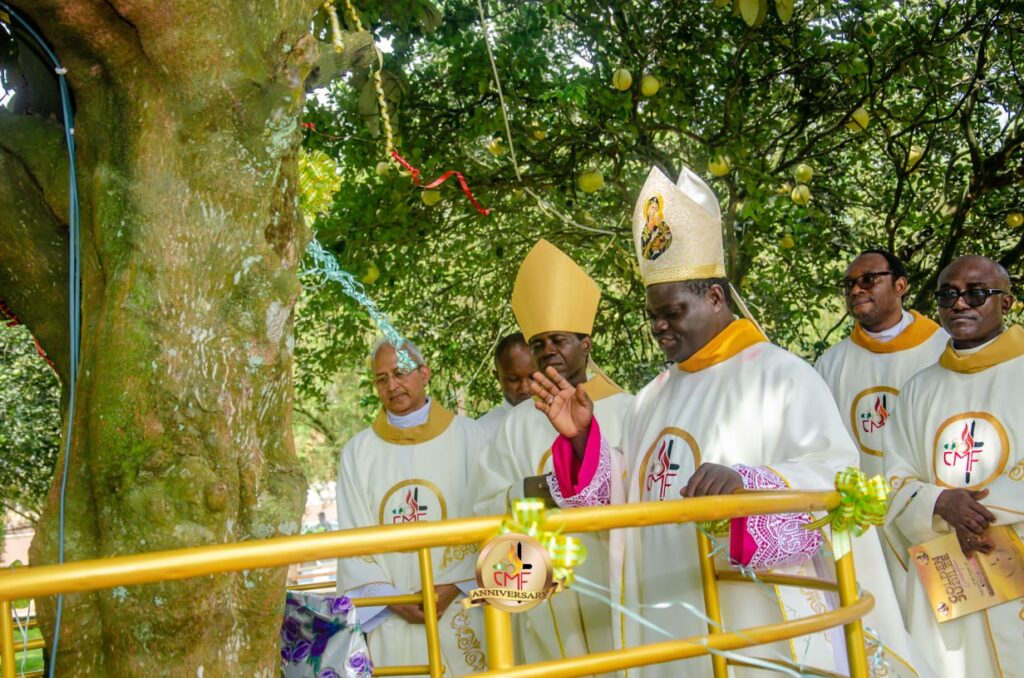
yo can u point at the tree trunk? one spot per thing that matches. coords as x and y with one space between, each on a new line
187 132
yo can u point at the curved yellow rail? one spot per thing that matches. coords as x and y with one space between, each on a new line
145 568
671 650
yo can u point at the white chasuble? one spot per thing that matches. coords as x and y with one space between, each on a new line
960 423
490 421
865 376
567 625
392 476
745 403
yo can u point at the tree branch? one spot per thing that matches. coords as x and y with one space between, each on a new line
33 231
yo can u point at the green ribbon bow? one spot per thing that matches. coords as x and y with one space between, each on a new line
566 552
862 503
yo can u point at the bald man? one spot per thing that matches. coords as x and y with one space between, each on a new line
953 453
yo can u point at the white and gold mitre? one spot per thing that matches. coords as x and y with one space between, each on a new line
553 294
677 230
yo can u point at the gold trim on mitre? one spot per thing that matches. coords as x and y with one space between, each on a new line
553 294
677 230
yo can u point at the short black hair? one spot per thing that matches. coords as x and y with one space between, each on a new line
506 343
702 286
895 265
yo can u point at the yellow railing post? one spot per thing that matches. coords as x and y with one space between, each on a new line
712 606
854 631
6 639
498 627
430 614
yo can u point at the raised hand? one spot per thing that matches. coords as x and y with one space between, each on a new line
569 409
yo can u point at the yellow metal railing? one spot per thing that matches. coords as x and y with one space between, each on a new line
147 568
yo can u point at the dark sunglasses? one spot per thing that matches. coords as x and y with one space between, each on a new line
865 282
974 297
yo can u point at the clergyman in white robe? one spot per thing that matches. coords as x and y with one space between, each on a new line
741 402
865 372
960 424
567 625
392 475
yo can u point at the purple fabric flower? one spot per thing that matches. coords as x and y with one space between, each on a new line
291 630
360 663
341 605
329 673
297 652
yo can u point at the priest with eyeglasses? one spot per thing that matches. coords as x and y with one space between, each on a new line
866 370
954 457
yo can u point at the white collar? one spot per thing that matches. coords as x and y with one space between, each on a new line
414 418
896 330
969 351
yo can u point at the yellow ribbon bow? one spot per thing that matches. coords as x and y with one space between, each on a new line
566 552
862 503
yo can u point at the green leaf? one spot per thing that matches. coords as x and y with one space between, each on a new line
784 8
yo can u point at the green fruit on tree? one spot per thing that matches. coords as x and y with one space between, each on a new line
539 134
591 181
1014 219
383 168
753 11
372 273
803 173
784 8
787 242
622 79
496 147
720 166
431 198
649 85
858 120
913 158
785 189
801 195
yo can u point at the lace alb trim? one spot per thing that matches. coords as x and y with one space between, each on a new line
781 538
597 493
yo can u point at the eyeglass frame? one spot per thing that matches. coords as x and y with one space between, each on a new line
944 294
846 285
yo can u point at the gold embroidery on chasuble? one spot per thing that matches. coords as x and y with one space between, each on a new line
869 413
412 501
666 464
970 450
467 641
454 553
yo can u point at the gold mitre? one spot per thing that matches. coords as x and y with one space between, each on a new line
677 230
553 294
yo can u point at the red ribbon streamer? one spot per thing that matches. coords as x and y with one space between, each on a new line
440 180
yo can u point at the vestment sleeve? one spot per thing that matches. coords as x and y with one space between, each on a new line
813 445
355 510
595 480
912 501
495 473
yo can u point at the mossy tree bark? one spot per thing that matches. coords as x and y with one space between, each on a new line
187 132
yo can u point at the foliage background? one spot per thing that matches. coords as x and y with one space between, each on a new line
30 429
942 76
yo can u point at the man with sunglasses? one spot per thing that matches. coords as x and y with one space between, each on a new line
866 370
412 465
954 454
